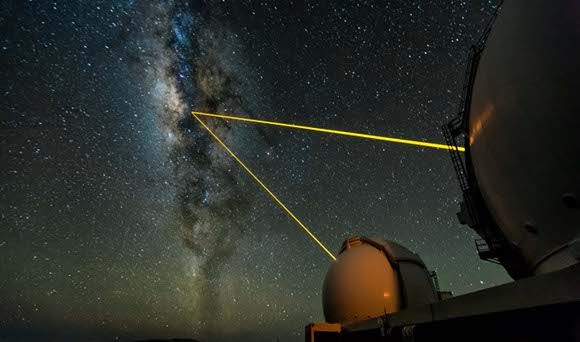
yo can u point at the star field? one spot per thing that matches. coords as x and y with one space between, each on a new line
120 218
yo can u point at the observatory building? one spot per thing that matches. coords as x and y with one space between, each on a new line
520 182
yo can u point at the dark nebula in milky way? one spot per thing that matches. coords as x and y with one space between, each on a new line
192 68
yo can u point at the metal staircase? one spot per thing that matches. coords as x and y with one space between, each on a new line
473 212
451 131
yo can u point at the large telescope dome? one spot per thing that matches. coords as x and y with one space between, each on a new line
524 130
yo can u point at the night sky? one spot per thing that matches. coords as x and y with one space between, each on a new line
120 217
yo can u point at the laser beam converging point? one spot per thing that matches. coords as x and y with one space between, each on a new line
334 131
307 128
274 197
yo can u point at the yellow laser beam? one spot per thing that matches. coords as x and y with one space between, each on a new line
334 131
288 211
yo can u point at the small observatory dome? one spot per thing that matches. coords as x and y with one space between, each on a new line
373 277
